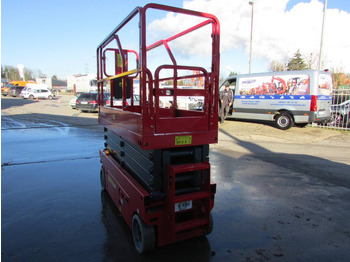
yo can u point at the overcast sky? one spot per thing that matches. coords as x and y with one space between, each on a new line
60 37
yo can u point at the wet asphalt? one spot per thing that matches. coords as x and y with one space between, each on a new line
52 208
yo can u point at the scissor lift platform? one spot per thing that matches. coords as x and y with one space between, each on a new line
158 124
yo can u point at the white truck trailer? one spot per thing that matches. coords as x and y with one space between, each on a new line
82 83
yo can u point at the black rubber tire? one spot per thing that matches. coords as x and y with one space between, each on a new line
334 120
338 120
50 97
103 179
143 235
284 121
302 125
211 225
31 97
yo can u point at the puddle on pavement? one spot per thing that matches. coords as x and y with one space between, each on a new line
47 142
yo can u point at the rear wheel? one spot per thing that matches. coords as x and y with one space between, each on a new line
50 97
143 235
31 97
103 179
211 225
284 121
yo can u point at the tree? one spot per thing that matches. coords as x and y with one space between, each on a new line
2 72
311 61
276 66
54 77
10 73
40 74
297 62
339 78
28 74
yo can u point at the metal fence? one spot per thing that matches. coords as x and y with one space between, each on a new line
340 110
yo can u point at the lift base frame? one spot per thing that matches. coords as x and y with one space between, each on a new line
131 198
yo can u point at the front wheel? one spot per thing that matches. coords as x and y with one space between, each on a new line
31 97
143 235
50 97
284 121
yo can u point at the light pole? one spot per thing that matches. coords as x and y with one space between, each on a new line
251 36
321 45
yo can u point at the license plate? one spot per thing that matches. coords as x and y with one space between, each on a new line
84 103
183 206
183 140
321 113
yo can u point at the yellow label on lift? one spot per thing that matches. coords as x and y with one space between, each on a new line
119 60
183 140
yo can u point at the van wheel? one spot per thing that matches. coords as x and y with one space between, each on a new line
284 121
143 235
302 125
31 97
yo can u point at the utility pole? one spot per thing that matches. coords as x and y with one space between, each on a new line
321 45
251 36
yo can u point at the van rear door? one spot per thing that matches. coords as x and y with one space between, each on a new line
324 95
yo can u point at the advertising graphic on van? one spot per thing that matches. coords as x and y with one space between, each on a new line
290 85
299 97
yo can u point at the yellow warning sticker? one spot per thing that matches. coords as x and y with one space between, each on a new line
119 61
183 140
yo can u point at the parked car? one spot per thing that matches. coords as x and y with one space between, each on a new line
119 101
88 102
31 93
73 103
340 115
6 89
15 90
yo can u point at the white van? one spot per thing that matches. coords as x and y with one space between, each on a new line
287 97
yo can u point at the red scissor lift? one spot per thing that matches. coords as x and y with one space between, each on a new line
157 129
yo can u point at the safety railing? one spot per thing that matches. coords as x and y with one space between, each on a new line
156 96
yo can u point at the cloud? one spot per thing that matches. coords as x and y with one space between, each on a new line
277 33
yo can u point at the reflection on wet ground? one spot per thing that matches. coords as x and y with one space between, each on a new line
53 208
46 142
